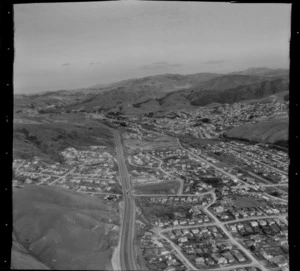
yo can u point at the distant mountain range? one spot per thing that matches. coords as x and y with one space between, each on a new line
263 72
162 92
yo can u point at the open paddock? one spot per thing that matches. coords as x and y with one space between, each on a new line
167 187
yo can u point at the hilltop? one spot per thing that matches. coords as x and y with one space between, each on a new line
263 71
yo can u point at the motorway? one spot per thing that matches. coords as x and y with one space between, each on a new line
127 254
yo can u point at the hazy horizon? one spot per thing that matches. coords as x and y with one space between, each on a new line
74 45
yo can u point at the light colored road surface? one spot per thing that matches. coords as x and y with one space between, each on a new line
180 190
55 181
127 254
20 166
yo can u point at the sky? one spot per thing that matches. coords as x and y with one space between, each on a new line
75 45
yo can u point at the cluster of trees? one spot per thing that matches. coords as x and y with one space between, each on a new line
51 148
30 137
149 114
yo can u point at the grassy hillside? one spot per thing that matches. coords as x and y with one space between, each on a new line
46 140
240 93
21 258
160 92
273 131
62 229
112 95
229 81
202 97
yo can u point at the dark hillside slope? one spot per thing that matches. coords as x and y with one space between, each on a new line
64 229
122 96
139 93
229 81
47 140
263 71
21 258
245 92
200 97
274 131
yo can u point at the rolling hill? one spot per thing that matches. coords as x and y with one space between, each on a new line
160 92
125 91
60 229
274 131
263 71
201 97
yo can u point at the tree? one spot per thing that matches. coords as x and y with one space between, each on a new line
73 134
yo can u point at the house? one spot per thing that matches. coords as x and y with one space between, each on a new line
183 239
182 223
239 256
191 223
200 260
266 255
222 260
194 231
210 262
164 252
171 262
254 223
230 258
175 222
185 231
240 226
233 228
262 223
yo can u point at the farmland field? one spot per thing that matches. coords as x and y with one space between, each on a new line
157 143
170 187
243 202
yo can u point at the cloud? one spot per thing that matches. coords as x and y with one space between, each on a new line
95 63
213 62
160 65
66 64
